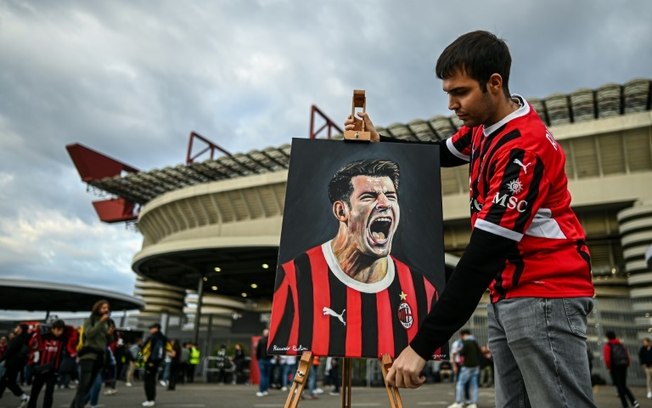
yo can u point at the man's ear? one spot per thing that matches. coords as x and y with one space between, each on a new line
340 211
495 83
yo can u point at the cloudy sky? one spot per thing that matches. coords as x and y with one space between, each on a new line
133 78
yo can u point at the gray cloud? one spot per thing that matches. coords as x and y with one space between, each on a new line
132 79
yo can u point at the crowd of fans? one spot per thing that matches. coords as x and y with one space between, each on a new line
37 358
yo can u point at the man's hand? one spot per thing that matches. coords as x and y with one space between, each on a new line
352 123
406 370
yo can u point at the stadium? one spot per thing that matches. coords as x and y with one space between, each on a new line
211 226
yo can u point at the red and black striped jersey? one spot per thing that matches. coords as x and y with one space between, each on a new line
47 349
318 307
519 190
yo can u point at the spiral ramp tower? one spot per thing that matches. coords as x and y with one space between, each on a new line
159 299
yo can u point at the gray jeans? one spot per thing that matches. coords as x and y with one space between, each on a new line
539 350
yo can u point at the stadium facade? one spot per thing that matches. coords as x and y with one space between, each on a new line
213 227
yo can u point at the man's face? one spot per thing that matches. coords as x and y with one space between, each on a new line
104 309
57 331
465 96
373 215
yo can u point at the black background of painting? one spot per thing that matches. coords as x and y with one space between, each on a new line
308 217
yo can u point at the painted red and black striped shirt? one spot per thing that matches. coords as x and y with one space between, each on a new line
319 308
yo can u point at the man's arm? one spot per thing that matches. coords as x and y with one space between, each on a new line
100 326
446 158
483 258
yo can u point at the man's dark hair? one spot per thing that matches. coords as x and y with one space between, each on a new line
611 335
58 324
97 307
479 54
465 332
340 186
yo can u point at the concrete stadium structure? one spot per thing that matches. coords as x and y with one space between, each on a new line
214 226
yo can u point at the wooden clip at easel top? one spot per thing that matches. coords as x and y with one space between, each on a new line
358 133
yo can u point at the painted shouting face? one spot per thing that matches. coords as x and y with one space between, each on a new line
373 215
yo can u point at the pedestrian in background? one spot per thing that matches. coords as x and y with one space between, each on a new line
175 364
239 360
110 371
93 347
645 359
154 352
194 357
134 354
185 357
469 372
69 371
14 358
486 368
46 360
264 364
288 368
333 366
616 358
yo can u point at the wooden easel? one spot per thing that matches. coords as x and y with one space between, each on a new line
303 370
358 134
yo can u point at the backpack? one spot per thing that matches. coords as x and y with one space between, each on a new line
619 355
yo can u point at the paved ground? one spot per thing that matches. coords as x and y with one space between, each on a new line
201 395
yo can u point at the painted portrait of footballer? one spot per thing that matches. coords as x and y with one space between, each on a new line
361 258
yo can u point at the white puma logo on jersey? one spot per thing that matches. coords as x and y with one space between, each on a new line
523 166
331 312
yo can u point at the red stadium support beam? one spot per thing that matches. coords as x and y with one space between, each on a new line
210 146
93 165
115 210
329 123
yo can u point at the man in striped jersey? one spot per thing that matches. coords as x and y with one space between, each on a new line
349 296
46 360
527 245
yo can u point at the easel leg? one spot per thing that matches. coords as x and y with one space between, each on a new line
346 383
299 382
392 392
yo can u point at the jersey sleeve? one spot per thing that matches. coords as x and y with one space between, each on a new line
516 188
460 143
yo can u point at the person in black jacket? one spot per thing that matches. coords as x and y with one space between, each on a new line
264 364
15 358
239 360
645 359
153 353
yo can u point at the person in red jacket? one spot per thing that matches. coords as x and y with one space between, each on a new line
617 359
47 351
